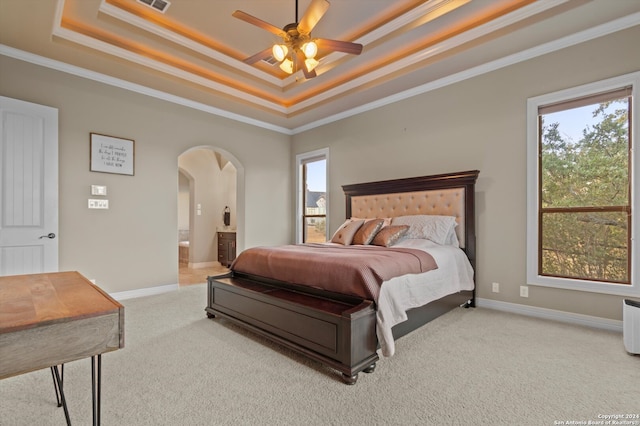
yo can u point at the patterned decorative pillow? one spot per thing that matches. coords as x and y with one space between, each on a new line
387 220
344 234
438 229
367 231
389 235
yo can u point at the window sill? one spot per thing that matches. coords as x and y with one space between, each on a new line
588 286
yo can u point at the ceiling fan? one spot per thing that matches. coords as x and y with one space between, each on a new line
298 49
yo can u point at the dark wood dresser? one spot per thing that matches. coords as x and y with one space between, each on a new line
226 248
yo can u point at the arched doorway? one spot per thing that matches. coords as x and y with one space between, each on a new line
210 181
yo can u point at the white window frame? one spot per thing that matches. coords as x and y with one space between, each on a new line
300 160
533 278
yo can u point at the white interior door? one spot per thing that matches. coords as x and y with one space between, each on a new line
28 187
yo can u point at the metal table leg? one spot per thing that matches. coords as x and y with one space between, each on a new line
96 381
57 382
96 387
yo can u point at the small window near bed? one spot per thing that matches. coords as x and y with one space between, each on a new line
312 197
581 213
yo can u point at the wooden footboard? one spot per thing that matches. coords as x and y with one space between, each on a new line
337 333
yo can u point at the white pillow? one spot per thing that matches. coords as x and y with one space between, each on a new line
439 229
452 238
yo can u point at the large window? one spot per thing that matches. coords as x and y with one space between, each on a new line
312 197
581 202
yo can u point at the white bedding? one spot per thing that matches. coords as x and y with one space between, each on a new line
400 294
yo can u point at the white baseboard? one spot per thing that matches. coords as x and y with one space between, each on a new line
141 292
551 314
198 265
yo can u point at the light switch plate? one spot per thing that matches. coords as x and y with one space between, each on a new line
98 204
98 190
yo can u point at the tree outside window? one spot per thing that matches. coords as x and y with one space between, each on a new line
584 200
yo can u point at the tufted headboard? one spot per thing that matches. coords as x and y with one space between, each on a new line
446 202
451 194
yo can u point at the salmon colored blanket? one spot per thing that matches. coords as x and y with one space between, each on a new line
352 270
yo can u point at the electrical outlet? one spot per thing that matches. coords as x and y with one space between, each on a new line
495 287
524 291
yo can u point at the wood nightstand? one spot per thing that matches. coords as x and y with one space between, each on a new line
226 248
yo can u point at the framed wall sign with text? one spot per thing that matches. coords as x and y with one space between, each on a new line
112 155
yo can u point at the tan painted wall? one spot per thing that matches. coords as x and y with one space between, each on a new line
479 123
475 124
133 245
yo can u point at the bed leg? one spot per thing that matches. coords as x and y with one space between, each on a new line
468 304
370 369
349 380
210 315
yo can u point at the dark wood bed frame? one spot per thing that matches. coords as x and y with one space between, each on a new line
337 330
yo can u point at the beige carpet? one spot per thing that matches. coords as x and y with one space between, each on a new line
471 367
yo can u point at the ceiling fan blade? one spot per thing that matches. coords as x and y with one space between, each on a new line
339 46
309 74
258 56
258 22
313 14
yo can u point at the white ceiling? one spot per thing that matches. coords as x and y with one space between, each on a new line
193 53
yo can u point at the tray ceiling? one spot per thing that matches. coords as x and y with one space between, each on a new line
194 51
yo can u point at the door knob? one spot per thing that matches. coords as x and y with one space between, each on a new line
50 235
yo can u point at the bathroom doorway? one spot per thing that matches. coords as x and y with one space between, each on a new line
207 189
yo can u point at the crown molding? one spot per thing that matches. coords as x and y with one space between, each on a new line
166 34
580 37
133 87
135 58
568 41
364 80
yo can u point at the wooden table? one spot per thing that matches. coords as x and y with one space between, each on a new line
50 319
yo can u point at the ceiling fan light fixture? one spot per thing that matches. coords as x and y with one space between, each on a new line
310 49
287 66
297 49
279 51
310 64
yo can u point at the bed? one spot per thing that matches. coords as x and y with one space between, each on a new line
349 330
